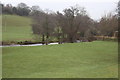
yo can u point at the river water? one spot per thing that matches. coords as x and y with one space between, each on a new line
27 45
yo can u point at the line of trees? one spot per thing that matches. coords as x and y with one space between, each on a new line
68 26
71 25
22 9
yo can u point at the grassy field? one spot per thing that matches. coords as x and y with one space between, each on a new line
71 60
16 28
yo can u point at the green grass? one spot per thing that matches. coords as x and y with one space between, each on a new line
15 28
14 20
71 60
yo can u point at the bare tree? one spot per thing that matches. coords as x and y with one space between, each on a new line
108 25
43 24
76 19
59 20
37 25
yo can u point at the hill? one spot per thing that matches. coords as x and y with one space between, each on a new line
16 28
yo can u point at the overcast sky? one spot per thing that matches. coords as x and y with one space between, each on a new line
95 8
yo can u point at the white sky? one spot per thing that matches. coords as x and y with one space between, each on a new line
95 8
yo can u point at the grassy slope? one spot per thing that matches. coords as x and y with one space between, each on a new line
78 60
16 28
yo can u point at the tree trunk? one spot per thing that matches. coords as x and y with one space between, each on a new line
71 40
59 39
63 38
43 39
47 37
103 38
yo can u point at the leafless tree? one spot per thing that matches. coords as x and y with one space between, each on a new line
108 25
59 20
76 20
37 26
43 24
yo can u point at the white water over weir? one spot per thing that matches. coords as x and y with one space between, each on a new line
26 45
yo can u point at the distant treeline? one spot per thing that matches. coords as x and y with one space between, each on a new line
21 9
